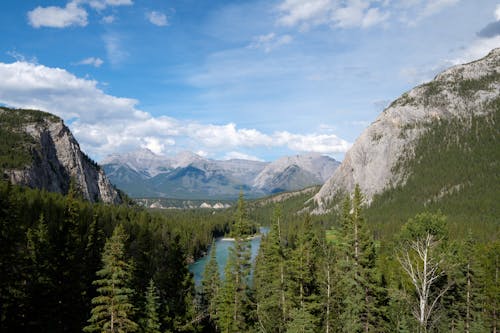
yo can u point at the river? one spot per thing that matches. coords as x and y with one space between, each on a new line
222 247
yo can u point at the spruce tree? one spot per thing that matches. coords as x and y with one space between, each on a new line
150 322
302 285
357 268
269 280
233 300
211 285
112 309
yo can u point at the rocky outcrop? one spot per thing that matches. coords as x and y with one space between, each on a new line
462 91
56 159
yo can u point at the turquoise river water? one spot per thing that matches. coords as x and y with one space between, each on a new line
222 247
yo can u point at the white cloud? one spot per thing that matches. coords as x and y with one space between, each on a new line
30 85
157 18
156 145
92 61
114 50
102 4
269 42
435 6
234 155
341 14
497 12
108 19
73 14
58 17
478 49
106 124
356 13
320 143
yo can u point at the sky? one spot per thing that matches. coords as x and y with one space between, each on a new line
230 79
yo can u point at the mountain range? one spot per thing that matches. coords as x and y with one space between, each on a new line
186 175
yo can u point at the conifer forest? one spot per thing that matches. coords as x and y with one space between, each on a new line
67 265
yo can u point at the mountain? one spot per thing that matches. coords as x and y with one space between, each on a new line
295 172
186 175
457 111
39 151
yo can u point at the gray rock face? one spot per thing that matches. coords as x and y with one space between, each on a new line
461 91
57 159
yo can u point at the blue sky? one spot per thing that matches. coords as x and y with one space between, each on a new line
226 79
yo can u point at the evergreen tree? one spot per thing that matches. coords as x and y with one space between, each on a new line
357 269
150 322
303 288
302 321
269 280
211 285
112 309
327 278
39 284
234 297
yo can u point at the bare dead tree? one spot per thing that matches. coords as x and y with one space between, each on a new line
420 260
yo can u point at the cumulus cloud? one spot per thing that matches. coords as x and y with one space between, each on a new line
73 14
157 18
58 17
234 155
269 42
92 61
320 143
106 124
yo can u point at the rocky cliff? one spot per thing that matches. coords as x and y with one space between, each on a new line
54 157
461 92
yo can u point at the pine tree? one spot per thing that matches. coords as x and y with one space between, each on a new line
233 300
302 285
112 309
211 285
327 279
150 322
357 269
269 280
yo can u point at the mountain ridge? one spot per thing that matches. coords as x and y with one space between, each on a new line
145 174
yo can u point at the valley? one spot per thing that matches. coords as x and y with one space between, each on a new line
191 223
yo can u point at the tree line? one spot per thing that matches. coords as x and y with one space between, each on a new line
69 265
310 277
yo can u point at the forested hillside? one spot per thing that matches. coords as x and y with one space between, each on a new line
52 246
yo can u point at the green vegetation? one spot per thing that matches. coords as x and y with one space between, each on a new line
455 171
52 248
15 144
468 88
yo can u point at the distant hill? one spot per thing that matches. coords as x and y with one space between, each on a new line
39 151
189 176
